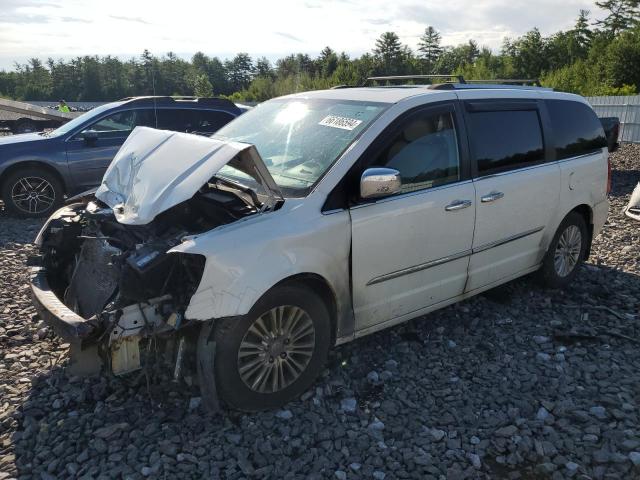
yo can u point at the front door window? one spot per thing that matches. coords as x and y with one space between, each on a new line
425 152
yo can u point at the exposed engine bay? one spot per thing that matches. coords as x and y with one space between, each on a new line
120 277
106 278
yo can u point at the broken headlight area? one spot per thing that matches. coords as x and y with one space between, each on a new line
121 279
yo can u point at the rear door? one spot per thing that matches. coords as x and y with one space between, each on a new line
90 151
411 250
517 187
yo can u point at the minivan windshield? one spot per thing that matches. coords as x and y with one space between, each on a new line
81 119
299 139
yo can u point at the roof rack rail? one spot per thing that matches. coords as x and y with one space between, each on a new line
510 81
458 78
165 100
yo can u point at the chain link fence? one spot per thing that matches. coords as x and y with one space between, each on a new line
626 108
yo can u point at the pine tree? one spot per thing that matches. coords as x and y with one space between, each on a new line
263 68
388 51
328 61
581 31
202 86
623 15
239 71
429 47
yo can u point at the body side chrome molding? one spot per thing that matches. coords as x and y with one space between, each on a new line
418 268
450 258
436 306
512 238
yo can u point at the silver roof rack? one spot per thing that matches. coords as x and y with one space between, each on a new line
510 81
391 78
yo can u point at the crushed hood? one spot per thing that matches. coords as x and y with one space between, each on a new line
155 170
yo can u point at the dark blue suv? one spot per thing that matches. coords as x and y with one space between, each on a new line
38 169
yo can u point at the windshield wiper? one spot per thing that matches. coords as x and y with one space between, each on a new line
297 179
243 188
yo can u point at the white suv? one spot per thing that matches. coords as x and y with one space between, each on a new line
317 218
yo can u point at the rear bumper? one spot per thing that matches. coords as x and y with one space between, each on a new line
64 321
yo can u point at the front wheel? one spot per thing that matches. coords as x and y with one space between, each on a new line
31 192
271 355
566 252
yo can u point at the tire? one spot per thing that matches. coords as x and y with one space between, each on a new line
32 193
220 366
559 269
25 125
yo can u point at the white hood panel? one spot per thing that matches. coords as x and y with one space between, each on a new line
155 170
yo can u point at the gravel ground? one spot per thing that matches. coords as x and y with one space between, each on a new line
517 383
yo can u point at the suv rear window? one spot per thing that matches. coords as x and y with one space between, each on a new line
505 140
576 128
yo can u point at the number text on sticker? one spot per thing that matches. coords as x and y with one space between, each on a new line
340 122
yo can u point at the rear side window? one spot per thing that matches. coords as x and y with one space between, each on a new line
209 121
192 120
576 128
171 119
505 140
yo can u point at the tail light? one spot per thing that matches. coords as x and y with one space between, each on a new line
608 175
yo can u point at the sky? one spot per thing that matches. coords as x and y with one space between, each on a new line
68 28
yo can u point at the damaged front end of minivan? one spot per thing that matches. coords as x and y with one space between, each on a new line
107 277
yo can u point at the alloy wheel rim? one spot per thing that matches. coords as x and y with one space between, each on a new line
33 194
276 349
567 252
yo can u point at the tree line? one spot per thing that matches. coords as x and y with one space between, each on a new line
596 57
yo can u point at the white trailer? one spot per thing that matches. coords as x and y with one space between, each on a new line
21 117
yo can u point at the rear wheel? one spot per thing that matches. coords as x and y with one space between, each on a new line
566 252
271 355
32 193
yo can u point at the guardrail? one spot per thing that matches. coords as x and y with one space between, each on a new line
626 108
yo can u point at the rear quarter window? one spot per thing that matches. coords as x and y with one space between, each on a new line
505 140
576 128
209 121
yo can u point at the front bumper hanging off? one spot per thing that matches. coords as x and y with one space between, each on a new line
80 333
116 333
64 321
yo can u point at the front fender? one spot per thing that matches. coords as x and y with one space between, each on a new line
243 263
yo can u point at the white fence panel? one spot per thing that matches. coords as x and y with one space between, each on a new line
626 108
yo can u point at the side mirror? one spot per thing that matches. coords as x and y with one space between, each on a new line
89 136
379 182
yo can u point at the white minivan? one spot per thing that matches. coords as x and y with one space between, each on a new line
315 219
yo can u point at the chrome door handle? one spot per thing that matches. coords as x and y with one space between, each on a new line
491 197
458 205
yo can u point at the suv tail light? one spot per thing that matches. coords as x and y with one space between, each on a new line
608 175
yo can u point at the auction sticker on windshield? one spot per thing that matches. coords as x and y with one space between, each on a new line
340 122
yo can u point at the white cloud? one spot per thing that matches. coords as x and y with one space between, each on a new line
66 28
